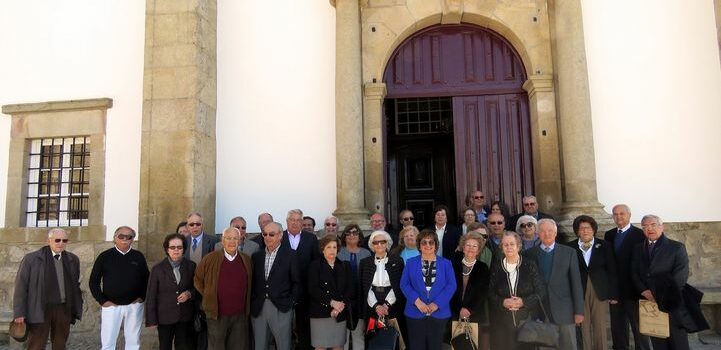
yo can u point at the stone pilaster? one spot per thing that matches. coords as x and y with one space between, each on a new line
349 114
373 96
574 114
178 132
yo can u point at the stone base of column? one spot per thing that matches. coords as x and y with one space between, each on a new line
358 216
571 210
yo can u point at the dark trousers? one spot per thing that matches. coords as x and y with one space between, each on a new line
57 325
623 314
228 332
677 341
427 333
302 326
181 334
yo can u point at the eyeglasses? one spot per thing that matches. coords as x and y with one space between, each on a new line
231 238
428 242
469 245
191 224
529 204
408 219
331 224
527 225
175 247
58 240
125 237
268 234
380 242
352 232
478 197
241 227
495 222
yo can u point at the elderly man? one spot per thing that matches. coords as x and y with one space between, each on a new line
379 223
275 288
497 227
308 224
406 218
246 246
477 201
123 274
558 265
330 226
199 243
660 271
623 238
530 207
47 292
224 278
305 245
263 219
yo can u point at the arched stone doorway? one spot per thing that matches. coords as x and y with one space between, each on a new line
456 119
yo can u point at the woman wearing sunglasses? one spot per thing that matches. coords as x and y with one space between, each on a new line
170 287
428 283
527 228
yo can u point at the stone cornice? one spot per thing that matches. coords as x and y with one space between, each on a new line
374 90
54 106
538 83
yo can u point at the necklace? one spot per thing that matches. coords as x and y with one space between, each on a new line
469 264
467 267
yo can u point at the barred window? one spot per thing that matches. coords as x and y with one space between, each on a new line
58 182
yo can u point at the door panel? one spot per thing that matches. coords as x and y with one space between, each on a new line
493 148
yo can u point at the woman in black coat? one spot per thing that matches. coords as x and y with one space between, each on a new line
167 303
515 291
472 277
330 286
380 276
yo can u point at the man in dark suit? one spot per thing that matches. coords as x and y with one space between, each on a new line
305 245
598 278
558 265
622 239
275 289
660 271
530 207
199 243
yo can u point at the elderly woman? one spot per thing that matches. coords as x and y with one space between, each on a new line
472 276
407 247
380 276
330 286
352 252
469 217
170 287
428 283
527 228
448 235
515 291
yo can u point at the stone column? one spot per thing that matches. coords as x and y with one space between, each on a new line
178 130
349 113
574 113
374 94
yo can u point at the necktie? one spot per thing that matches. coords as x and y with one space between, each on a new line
619 240
586 246
57 256
195 243
547 249
650 247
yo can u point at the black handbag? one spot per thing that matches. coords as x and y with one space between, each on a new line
381 337
539 333
464 340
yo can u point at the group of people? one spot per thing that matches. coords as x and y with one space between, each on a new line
292 289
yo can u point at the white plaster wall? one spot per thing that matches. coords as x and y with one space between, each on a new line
79 49
276 108
655 84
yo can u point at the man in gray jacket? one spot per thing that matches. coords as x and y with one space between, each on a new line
47 292
558 265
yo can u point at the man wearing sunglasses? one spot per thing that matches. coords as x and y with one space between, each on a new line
123 273
477 201
199 244
530 207
52 275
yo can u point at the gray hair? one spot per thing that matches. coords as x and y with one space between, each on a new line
530 197
652 216
331 217
55 230
515 235
231 229
389 240
238 218
195 213
278 226
624 206
126 228
293 212
549 222
525 219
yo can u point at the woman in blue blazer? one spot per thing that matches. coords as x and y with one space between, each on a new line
428 282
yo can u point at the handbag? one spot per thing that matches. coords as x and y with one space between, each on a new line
198 320
539 333
380 336
464 335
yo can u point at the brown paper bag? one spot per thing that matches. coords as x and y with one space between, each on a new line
458 328
652 321
394 323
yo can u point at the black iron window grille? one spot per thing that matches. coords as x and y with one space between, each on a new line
425 115
58 182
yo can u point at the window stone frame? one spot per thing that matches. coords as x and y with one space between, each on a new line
51 120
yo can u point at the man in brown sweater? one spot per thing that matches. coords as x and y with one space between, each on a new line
223 277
